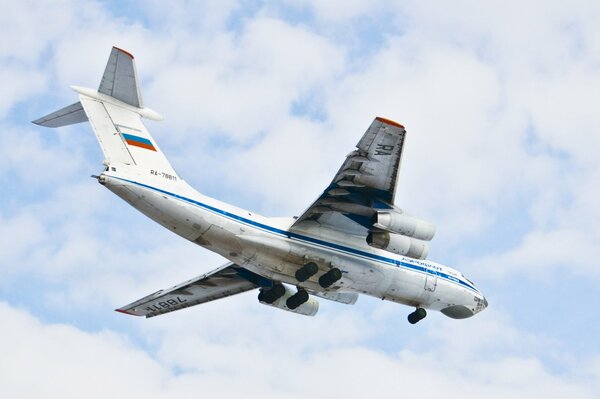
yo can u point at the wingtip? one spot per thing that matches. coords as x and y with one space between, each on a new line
124 51
125 312
389 122
41 122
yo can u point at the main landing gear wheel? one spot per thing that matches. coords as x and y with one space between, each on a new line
417 316
270 295
330 277
297 299
306 271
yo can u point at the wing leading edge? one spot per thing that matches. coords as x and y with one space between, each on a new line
225 281
365 182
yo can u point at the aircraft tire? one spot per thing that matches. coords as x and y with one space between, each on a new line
306 271
297 299
416 316
330 277
272 294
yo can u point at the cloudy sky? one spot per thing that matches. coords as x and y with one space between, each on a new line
262 102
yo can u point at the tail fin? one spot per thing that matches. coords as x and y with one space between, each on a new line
115 111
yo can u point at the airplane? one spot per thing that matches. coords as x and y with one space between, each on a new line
351 240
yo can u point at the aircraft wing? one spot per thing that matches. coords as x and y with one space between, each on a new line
225 281
365 182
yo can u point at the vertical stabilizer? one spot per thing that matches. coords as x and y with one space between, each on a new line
115 112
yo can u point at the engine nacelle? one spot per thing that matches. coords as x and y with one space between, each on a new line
398 244
404 224
308 308
347 298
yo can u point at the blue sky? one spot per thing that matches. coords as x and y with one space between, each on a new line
262 102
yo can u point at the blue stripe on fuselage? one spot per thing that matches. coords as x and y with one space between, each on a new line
312 240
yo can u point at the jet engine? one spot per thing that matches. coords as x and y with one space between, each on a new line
308 308
399 244
401 223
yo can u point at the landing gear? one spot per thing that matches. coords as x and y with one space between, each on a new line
330 277
297 299
417 316
306 271
272 294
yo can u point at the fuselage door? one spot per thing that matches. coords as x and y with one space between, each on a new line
430 279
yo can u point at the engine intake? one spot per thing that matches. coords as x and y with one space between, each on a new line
404 224
398 244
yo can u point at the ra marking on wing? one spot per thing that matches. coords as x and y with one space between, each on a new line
383 149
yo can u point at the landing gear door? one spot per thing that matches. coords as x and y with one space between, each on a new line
430 279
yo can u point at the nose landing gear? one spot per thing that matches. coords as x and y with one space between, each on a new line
416 316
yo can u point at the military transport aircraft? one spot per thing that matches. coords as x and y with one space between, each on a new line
351 240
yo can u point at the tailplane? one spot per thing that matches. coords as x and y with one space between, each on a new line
115 111
68 115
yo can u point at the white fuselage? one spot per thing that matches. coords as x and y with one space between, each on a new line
267 247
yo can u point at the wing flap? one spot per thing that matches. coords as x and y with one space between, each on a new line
225 281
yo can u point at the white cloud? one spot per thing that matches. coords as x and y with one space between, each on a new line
48 360
244 84
332 12
543 252
30 26
17 85
500 110
59 360
189 17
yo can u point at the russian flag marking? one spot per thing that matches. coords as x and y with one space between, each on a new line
138 141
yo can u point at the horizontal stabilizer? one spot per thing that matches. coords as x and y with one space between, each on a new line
120 79
68 115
